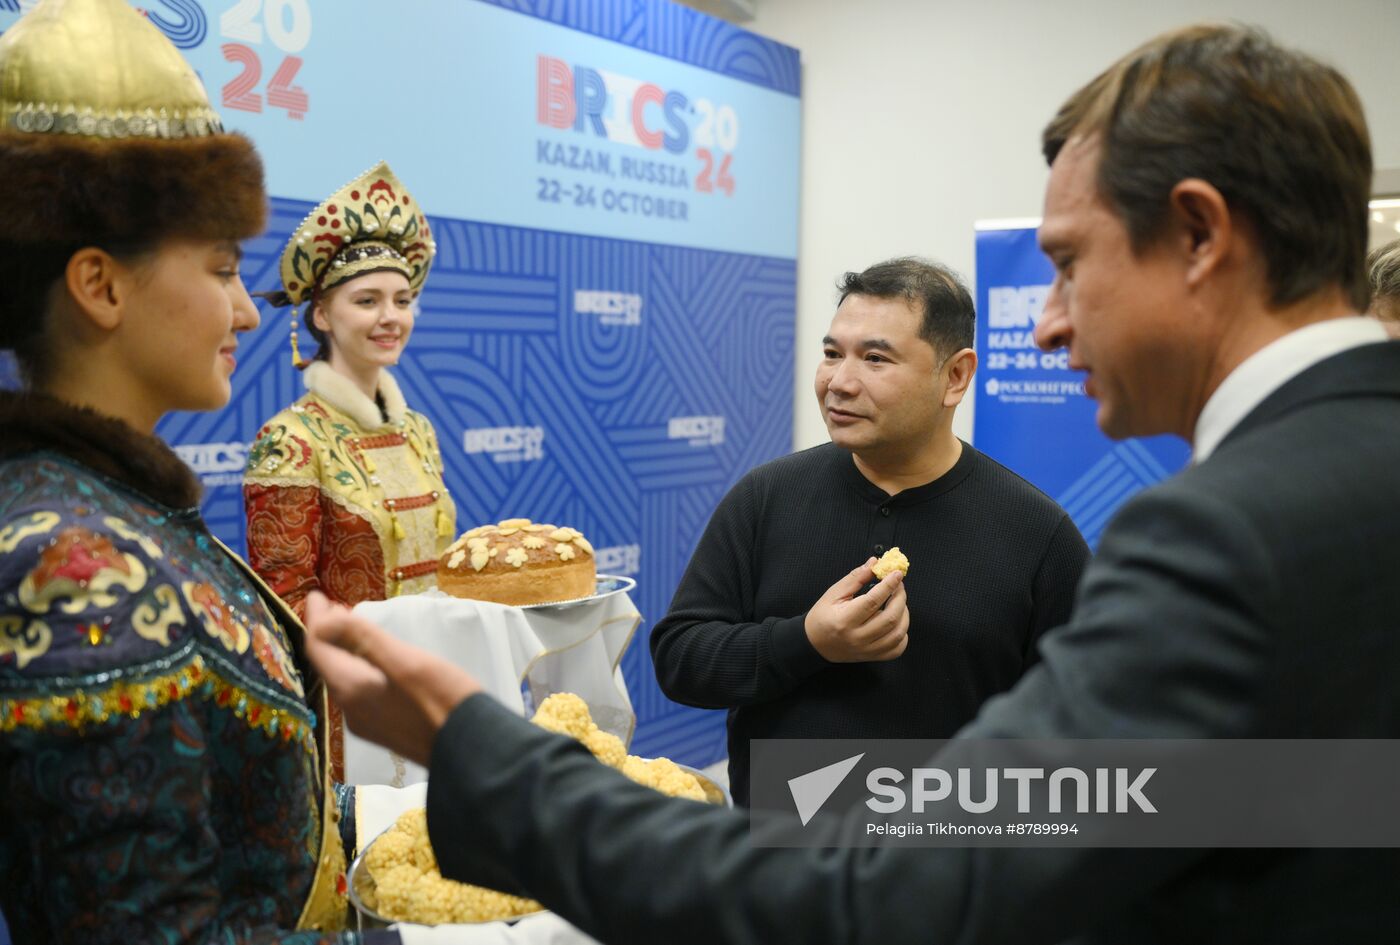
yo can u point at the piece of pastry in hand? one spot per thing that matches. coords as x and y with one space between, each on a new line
892 560
517 562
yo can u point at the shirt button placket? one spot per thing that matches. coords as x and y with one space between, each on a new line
884 530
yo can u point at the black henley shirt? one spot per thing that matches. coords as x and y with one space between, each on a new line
993 564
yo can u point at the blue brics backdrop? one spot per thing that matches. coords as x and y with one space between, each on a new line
606 338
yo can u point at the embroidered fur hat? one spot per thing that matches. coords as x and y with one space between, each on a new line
107 135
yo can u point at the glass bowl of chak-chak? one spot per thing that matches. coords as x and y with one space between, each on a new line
396 878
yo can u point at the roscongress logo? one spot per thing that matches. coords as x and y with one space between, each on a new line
505 444
1042 390
699 431
613 308
216 464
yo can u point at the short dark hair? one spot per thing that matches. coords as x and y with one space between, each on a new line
1279 134
1383 267
949 318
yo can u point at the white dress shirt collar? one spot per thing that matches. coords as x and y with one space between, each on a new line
1272 366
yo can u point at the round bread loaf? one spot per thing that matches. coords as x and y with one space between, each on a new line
518 561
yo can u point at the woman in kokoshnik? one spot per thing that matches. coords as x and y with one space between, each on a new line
344 489
163 774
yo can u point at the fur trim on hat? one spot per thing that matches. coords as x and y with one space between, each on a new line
69 189
31 421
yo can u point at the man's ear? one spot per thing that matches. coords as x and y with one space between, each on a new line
99 286
1204 229
959 369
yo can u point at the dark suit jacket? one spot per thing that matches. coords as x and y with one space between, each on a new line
1254 595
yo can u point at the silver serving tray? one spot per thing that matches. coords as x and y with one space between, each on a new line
607 585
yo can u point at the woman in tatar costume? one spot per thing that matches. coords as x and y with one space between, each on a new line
162 773
344 490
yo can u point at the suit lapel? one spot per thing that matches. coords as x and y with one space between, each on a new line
1372 370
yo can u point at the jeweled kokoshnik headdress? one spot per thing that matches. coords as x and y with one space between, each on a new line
367 226
371 224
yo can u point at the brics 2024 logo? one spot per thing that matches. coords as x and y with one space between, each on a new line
612 308
698 431
619 559
621 109
506 444
216 464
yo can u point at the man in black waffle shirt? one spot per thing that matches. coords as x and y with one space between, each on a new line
770 621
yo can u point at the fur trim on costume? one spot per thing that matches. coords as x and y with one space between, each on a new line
68 189
341 393
30 421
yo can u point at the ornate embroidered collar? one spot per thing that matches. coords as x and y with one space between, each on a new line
30 421
342 394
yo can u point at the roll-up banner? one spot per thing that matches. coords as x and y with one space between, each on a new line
1032 414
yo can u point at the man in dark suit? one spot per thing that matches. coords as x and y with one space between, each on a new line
1206 214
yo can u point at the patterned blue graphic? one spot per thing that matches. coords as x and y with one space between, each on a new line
187 28
1032 414
676 32
500 344
1093 498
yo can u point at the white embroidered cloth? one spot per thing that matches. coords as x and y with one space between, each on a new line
519 656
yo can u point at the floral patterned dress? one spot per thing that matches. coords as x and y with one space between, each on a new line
346 497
